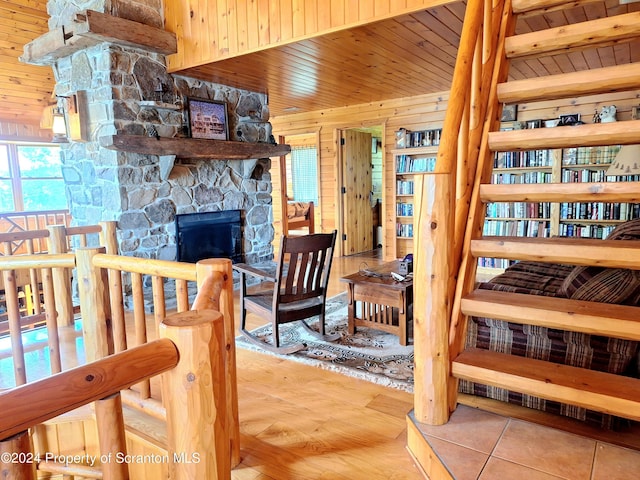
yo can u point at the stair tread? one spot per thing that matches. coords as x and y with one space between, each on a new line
566 250
562 192
604 392
568 38
587 135
618 321
553 87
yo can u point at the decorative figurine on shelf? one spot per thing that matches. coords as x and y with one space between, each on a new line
608 114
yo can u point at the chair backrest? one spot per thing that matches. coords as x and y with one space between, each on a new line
304 266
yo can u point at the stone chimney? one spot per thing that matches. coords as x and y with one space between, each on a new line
129 91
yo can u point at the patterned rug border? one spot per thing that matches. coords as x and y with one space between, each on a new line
391 369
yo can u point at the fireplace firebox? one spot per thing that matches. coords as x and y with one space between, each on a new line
209 235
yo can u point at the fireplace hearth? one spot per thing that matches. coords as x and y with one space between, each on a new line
209 235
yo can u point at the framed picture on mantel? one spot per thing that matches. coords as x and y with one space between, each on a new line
207 119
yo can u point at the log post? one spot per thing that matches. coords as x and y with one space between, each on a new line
57 243
111 437
194 396
18 449
109 240
218 274
434 194
93 287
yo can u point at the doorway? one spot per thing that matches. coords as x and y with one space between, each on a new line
360 189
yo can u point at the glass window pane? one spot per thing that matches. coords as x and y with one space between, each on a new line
44 195
39 161
4 161
304 174
6 196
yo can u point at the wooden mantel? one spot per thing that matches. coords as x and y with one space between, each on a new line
193 147
90 28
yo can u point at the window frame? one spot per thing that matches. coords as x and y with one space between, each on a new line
16 178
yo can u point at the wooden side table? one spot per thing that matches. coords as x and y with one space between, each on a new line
384 302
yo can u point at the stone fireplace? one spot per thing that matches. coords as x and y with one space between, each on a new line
209 235
129 92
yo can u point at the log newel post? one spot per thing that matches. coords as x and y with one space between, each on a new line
434 195
194 393
57 243
18 450
216 276
111 437
93 288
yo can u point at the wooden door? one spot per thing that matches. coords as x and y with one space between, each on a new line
357 217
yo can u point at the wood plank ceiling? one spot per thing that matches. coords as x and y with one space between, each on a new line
24 89
404 56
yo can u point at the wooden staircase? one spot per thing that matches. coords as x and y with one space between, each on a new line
603 392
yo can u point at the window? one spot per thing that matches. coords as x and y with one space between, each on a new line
303 174
31 178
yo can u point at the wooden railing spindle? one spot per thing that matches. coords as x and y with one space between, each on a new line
15 329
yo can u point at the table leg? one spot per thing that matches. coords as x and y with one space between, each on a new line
402 319
351 310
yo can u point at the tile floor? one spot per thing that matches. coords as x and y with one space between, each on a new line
478 445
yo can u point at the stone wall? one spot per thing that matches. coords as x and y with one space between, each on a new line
131 188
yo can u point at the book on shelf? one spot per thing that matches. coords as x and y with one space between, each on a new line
419 138
409 164
404 187
404 230
602 155
404 209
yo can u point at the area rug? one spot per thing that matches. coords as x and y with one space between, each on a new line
370 354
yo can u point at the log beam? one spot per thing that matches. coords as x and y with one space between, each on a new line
90 28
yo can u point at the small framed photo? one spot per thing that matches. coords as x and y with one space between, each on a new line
570 119
207 119
509 113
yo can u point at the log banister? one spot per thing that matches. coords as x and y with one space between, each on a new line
36 402
161 268
437 229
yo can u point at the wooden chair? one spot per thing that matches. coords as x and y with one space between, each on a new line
298 289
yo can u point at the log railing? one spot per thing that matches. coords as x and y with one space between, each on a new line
59 239
100 281
16 222
37 288
191 352
438 232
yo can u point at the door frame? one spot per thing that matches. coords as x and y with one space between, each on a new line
338 134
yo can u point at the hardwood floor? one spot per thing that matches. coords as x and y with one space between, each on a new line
301 422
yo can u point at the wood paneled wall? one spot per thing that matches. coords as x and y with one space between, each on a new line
209 30
414 113
24 132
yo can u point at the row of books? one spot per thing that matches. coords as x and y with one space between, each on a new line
585 231
527 158
516 228
421 138
494 262
404 209
599 211
519 210
408 164
524 177
404 187
586 175
404 230
590 155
